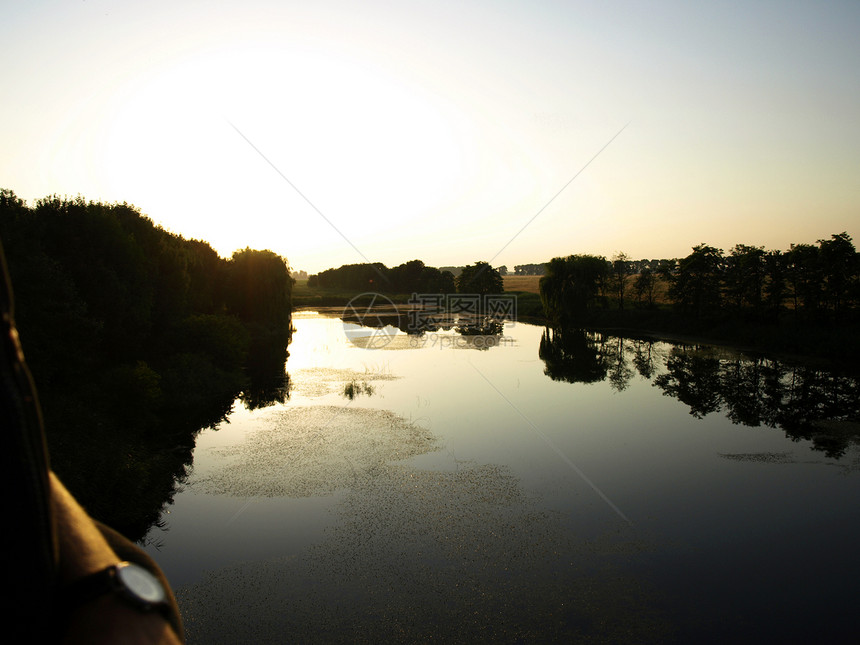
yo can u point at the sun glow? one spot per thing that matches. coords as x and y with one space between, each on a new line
366 149
438 130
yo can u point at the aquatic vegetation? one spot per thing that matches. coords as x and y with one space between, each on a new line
308 451
356 388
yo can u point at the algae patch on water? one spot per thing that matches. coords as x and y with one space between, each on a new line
311 451
425 556
761 457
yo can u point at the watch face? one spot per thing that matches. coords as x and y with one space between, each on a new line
141 583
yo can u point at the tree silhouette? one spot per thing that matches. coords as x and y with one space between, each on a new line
133 344
744 277
571 285
410 277
258 288
480 279
775 285
695 286
839 265
804 277
619 276
643 287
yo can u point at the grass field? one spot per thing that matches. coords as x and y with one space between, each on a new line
531 284
516 283
527 283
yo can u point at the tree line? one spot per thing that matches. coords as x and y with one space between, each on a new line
136 335
410 277
814 281
538 268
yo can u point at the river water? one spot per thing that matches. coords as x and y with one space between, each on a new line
532 486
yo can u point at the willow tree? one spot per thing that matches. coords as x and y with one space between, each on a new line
571 286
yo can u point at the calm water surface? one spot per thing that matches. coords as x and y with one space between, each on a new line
546 488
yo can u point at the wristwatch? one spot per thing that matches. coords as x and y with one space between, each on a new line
131 582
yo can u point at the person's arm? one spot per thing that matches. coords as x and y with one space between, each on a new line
83 551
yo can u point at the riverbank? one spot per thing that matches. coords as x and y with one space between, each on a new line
787 336
304 297
836 343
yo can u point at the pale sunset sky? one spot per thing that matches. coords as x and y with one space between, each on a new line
335 132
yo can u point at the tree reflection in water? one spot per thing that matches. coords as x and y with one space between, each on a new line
267 380
574 355
806 402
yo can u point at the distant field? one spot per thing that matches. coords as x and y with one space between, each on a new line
304 295
527 283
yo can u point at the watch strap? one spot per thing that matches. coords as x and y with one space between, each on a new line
88 588
110 580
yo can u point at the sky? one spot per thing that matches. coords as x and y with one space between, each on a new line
338 132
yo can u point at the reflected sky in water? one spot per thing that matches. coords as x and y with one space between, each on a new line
733 528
